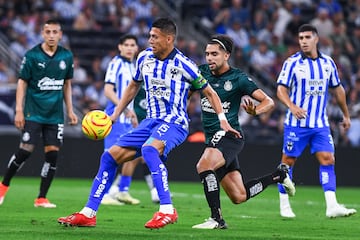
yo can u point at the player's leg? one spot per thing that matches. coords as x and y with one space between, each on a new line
322 146
153 152
213 165
53 139
107 170
150 183
239 192
110 198
294 143
127 172
29 138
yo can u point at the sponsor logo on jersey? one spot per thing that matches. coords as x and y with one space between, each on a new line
47 83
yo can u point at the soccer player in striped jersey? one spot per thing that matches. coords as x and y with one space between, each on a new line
118 75
167 76
219 162
303 85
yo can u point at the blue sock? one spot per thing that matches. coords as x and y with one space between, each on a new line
159 173
280 187
124 183
327 177
103 180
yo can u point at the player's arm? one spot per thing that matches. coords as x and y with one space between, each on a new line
68 102
19 107
110 93
340 96
265 103
129 94
283 95
215 102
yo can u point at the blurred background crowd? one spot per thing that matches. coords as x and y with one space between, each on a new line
264 33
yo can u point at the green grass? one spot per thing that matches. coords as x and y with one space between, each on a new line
256 219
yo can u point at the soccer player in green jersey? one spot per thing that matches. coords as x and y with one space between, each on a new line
219 161
43 85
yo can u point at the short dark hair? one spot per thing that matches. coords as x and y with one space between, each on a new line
126 37
166 25
307 28
52 21
225 42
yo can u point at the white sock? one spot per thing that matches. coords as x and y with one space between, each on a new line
88 212
149 181
330 199
284 200
166 208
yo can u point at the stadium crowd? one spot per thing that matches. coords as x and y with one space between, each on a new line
265 33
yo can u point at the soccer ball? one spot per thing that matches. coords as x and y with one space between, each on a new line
96 125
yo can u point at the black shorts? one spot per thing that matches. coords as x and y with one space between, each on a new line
52 134
230 147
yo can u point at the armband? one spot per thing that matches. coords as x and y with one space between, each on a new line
222 116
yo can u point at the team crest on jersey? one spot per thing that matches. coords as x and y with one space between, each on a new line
62 65
228 86
174 72
289 145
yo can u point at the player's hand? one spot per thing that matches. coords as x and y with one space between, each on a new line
249 106
298 112
346 123
73 118
19 120
224 124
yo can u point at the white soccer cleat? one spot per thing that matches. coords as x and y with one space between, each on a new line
287 212
109 200
126 198
339 211
287 183
211 223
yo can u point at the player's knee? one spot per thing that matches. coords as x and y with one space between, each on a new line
19 157
238 198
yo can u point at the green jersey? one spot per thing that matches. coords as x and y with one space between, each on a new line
45 76
140 104
231 86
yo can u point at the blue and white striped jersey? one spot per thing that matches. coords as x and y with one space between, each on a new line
120 73
308 81
167 83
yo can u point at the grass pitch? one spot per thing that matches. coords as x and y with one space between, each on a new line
256 219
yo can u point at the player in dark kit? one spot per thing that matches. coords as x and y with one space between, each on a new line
44 84
219 162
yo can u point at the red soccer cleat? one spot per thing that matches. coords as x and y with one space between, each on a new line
160 220
3 190
78 220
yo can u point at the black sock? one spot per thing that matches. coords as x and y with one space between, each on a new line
256 186
15 163
212 192
47 173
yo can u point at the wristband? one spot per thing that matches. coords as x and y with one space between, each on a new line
222 116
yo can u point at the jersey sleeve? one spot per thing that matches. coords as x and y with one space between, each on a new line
70 73
286 74
25 68
111 72
139 64
334 77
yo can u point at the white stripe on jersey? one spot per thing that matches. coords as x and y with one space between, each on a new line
120 73
308 81
167 83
